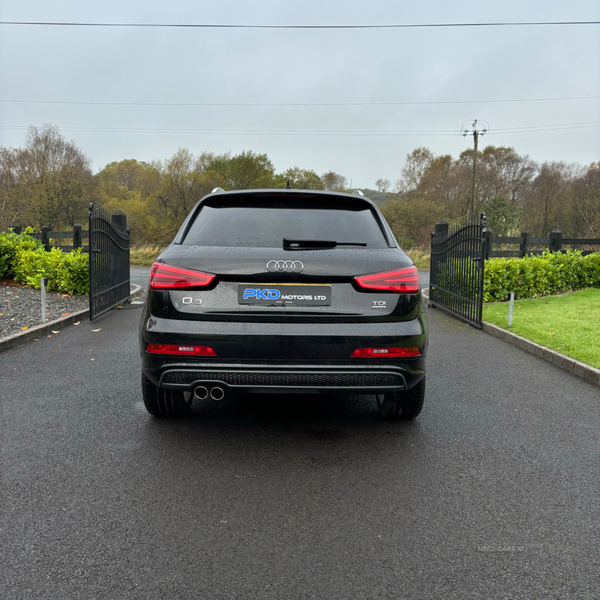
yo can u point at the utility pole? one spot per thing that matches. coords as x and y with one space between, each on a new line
477 131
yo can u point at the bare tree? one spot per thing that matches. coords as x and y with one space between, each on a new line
417 163
48 182
547 206
586 202
383 185
333 181
504 173
179 190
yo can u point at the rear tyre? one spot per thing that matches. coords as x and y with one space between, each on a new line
164 403
402 405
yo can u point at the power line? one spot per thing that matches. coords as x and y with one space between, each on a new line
556 127
243 131
298 104
304 132
247 26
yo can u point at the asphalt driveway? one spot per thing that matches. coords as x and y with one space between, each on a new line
493 492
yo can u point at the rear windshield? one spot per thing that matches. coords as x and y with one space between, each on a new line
251 222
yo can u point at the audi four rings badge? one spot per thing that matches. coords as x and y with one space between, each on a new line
285 266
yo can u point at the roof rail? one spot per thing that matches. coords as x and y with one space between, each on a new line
357 193
217 190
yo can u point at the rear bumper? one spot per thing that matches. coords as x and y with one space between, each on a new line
287 379
284 357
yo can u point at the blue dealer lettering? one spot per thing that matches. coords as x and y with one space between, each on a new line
264 294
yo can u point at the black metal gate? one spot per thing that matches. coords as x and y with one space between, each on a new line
457 269
109 260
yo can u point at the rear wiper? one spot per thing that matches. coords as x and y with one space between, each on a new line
315 244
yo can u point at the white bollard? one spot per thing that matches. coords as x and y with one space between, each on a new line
43 282
511 304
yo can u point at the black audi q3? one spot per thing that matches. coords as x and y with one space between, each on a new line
283 291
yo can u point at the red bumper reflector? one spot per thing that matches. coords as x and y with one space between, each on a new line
180 350
401 352
405 281
168 277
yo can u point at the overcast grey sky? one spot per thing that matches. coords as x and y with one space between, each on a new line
138 65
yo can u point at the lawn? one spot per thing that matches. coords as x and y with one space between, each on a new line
569 324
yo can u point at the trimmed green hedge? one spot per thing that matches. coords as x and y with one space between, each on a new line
549 273
12 244
24 259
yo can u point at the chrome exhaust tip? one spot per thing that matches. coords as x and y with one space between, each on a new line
217 393
201 393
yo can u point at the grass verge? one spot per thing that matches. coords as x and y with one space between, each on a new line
144 256
421 258
569 324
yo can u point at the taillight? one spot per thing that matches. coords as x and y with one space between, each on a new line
398 352
168 277
181 350
405 281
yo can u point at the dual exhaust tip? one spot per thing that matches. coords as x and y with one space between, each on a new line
202 392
